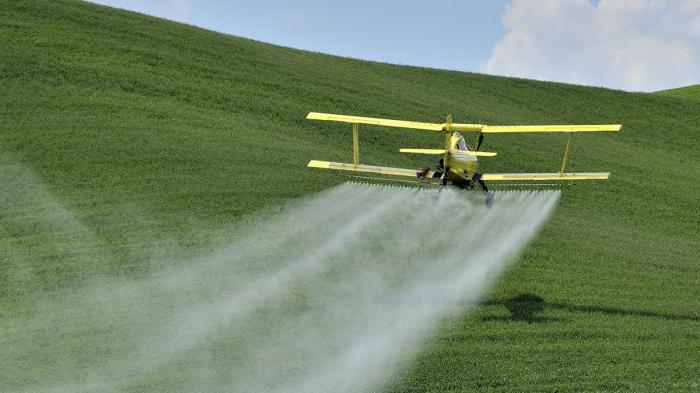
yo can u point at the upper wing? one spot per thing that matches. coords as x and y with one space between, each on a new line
545 176
383 170
375 121
461 126
552 128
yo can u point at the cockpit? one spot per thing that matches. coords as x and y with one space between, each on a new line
462 144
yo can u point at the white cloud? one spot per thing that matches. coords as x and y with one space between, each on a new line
641 45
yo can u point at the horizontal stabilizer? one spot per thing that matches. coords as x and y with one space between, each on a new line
423 151
544 176
474 153
382 170
455 152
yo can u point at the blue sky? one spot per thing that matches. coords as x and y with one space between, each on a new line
639 45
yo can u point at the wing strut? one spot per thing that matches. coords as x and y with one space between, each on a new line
355 144
566 155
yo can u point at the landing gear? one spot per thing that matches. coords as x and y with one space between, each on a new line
489 199
489 194
444 176
442 172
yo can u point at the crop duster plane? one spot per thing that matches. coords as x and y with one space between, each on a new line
458 164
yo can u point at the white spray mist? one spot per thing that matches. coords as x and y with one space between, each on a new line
334 293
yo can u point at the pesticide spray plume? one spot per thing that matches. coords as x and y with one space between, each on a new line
336 292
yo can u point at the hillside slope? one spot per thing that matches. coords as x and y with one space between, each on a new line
140 136
691 92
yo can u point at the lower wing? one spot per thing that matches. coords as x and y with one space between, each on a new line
545 176
382 170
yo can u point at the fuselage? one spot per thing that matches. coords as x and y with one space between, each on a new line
462 165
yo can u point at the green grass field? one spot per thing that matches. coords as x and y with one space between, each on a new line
128 133
690 92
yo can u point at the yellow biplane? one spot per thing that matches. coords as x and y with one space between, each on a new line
458 162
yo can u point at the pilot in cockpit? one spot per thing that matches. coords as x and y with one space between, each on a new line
462 144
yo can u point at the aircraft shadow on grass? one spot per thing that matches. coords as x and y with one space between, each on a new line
529 307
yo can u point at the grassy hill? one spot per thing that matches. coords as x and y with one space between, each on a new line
129 133
692 92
